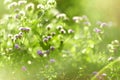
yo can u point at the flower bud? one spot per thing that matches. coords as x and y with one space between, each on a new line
53 33
39 52
61 16
45 40
27 29
24 29
77 19
48 27
97 30
22 13
21 2
30 7
17 10
17 16
110 58
17 46
13 4
20 33
49 37
52 48
62 31
40 6
70 31
10 35
16 36
59 27
103 25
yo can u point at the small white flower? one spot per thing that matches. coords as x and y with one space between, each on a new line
103 25
110 58
59 27
30 6
48 27
22 13
104 74
10 35
62 31
70 31
77 19
115 42
40 6
22 2
13 4
62 15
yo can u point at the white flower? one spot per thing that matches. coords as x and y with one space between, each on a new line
22 2
70 31
61 16
103 25
59 27
110 58
77 19
30 6
40 6
13 4
22 13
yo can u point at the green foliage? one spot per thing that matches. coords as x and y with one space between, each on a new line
37 42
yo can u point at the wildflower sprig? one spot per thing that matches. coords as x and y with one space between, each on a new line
114 46
41 30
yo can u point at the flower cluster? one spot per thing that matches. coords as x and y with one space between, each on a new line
114 46
44 53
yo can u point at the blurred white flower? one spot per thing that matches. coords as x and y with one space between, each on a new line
30 6
13 4
40 6
61 16
22 2
77 19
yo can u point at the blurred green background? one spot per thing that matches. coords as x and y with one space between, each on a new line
103 10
